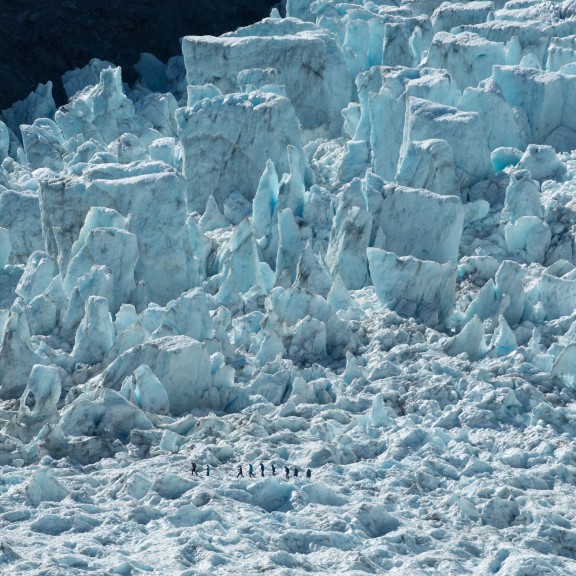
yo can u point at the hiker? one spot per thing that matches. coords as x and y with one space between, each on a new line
308 473
239 472
262 468
295 472
273 469
207 469
287 470
251 471
194 469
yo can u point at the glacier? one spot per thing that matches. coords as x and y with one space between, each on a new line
341 239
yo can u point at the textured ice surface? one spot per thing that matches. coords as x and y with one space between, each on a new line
309 62
343 240
246 130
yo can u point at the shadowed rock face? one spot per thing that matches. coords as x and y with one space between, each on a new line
39 41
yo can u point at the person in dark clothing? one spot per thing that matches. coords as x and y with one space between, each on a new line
295 472
262 468
308 473
239 472
194 469
273 469
207 469
287 470
251 471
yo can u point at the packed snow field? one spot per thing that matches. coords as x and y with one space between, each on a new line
342 240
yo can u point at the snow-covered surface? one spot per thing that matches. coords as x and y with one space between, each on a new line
341 241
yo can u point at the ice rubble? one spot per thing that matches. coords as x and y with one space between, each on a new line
343 240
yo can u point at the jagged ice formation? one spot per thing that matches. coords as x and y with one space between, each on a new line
342 240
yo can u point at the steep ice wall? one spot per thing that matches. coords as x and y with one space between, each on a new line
414 288
130 190
244 130
309 62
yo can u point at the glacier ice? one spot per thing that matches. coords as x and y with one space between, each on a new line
309 61
429 165
144 390
346 255
247 130
414 288
432 216
341 240
468 57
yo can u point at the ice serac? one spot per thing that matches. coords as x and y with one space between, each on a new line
20 215
486 304
240 132
451 14
96 332
349 238
421 223
182 365
102 110
44 487
76 80
38 104
111 247
509 279
288 308
44 388
383 94
413 288
145 391
311 273
43 144
5 247
557 295
102 412
289 245
463 131
402 39
310 63
212 219
164 256
528 237
17 356
471 340
291 189
98 281
503 156
468 57
265 215
504 339
545 99
429 165
542 162
240 258
187 316
522 197
512 131
38 273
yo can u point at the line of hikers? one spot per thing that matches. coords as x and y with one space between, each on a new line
194 470
273 468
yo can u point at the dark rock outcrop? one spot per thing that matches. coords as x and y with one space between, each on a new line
39 41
